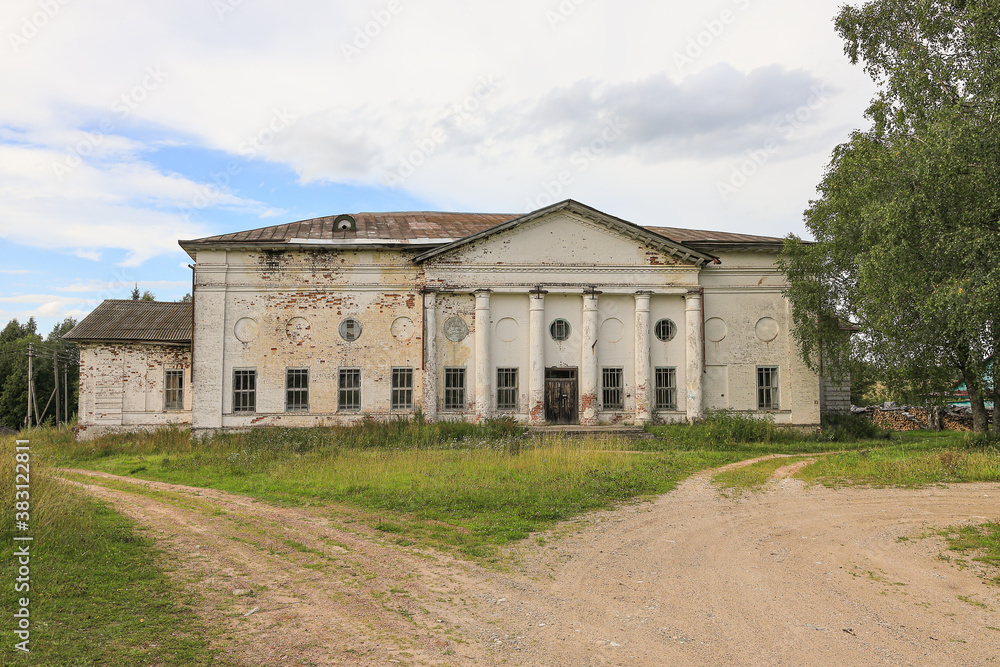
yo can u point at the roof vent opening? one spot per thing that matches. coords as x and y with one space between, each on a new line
345 223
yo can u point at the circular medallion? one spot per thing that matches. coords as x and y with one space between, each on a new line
402 329
766 329
612 330
246 329
455 329
297 329
507 329
716 329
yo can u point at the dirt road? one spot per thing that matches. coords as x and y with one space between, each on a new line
791 576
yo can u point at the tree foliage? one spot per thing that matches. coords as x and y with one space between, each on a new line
907 223
14 341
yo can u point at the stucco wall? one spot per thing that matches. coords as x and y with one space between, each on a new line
122 386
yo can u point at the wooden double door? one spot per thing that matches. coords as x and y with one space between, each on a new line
561 396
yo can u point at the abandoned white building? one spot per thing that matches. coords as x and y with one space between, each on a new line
565 315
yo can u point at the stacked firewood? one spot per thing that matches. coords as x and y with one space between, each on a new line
896 420
892 417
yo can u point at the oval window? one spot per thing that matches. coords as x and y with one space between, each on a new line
350 329
559 329
665 330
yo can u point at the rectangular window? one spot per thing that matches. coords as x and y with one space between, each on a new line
402 388
767 387
612 393
506 389
666 388
349 397
297 390
245 390
173 390
454 388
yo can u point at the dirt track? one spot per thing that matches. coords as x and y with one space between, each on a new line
791 576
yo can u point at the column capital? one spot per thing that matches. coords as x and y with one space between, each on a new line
482 290
591 290
538 291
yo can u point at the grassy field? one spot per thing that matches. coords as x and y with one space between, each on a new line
457 487
97 595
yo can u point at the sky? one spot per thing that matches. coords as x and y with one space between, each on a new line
127 126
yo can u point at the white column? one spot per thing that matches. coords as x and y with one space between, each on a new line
643 372
209 383
536 356
588 362
695 354
484 395
429 377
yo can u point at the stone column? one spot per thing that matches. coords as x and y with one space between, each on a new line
695 348
536 356
429 378
643 373
483 384
589 372
209 382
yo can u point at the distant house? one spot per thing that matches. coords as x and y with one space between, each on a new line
565 315
959 394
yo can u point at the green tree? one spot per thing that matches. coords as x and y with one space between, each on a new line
14 341
907 223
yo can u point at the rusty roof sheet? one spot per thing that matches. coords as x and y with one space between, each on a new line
139 321
404 227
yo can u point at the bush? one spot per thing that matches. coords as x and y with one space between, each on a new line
848 428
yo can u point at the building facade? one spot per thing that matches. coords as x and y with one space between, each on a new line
565 315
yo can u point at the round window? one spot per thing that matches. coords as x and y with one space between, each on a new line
665 330
350 329
559 329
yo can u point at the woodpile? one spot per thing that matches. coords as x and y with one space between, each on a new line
892 417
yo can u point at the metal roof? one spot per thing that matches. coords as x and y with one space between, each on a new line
434 228
137 321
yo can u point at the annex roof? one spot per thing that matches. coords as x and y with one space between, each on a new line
136 321
437 229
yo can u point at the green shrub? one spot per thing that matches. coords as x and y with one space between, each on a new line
848 428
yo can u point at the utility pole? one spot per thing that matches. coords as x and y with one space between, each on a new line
32 399
65 392
55 378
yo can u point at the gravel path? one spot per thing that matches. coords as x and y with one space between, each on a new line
793 575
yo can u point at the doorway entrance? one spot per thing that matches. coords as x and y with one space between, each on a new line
561 396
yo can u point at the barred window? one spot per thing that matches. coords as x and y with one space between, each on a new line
349 389
297 390
559 329
665 330
173 390
402 388
612 392
454 388
350 329
506 389
665 383
767 387
245 390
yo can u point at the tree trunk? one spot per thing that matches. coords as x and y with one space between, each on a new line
980 420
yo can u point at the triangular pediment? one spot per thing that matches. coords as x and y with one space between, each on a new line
567 233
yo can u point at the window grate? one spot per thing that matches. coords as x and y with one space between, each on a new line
454 389
767 388
665 382
559 329
506 389
173 390
349 389
665 330
402 388
245 390
612 390
297 390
